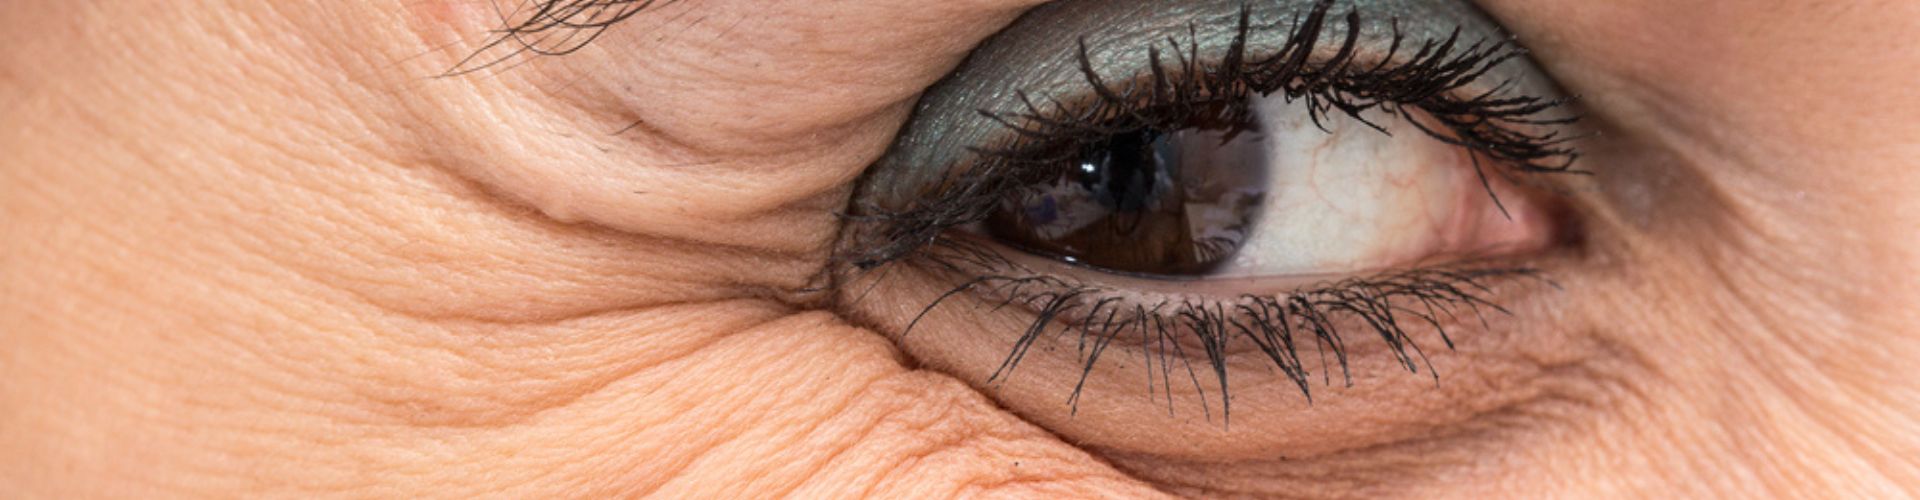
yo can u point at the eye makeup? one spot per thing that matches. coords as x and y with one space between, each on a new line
1052 76
1071 77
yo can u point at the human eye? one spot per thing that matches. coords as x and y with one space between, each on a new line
1205 209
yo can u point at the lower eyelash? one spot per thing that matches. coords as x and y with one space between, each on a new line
1384 303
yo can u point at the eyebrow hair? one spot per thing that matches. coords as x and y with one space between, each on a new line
548 28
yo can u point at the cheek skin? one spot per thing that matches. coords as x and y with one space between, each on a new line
829 407
351 297
1758 223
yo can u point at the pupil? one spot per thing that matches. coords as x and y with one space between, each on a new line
1149 201
1123 172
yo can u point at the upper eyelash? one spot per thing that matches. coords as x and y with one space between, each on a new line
549 28
1489 123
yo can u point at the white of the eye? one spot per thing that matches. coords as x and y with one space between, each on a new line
1350 198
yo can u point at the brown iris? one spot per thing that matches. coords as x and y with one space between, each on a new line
1149 201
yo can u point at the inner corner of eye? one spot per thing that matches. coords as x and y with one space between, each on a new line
1291 193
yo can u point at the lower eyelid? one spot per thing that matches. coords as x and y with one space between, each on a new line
970 334
1065 300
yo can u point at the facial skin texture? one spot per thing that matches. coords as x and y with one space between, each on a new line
255 248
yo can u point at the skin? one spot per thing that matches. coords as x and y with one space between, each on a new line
255 248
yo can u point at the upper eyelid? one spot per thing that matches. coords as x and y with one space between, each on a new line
1036 56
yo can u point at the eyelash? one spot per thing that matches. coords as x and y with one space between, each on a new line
1488 124
1268 321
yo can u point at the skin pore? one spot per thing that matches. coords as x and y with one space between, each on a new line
259 248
